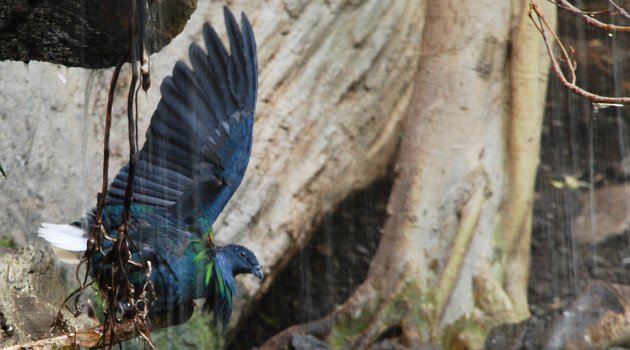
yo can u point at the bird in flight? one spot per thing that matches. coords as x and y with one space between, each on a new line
196 152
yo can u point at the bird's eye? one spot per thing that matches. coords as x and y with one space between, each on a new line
243 255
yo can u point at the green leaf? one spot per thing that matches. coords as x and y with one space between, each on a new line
209 269
570 183
574 183
557 184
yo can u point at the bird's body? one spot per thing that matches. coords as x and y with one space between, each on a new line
197 150
177 280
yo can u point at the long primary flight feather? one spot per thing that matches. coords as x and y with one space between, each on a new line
201 132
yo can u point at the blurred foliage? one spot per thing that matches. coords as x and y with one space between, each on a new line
569 182
6 242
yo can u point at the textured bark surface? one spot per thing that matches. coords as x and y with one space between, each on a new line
335 80
90 34
454 254
334 89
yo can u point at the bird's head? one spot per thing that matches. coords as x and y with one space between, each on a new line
240 260
223 263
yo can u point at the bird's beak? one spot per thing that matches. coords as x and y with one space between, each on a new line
257 271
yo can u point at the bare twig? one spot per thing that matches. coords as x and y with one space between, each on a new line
586 17
548 34
620 9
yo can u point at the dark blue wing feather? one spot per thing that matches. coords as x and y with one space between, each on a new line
200 136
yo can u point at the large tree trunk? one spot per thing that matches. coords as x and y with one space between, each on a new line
336 81
454 255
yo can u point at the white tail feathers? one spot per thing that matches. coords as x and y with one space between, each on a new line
68 241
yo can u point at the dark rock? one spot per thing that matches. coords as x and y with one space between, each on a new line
393 344
31 290
608 215
516 335
6 330
83 33
388 344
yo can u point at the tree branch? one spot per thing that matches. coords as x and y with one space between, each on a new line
620 9
586 17
547 33
83 33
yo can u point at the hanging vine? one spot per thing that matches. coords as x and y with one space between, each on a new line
126 308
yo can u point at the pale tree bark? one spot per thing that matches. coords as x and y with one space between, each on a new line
454 255
335 81
529 70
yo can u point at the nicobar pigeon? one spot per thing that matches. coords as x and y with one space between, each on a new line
197 148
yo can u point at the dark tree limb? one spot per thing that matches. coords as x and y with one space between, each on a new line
83 33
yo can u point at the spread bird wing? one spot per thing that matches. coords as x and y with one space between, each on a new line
200 136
